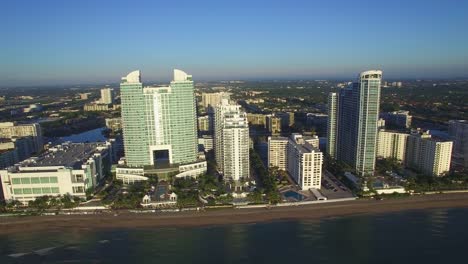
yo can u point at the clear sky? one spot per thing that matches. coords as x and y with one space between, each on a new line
98 41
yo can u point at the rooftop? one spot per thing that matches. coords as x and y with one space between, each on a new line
71 155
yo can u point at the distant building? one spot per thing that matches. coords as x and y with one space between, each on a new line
273 124
107 96
458 131
15 150
232 141
211 100
287 119
32 108
114 124
397 119
93 107
392 145
381 123
83 96
70 168
257 119
427 155
205 143
205 123
11 130
358 113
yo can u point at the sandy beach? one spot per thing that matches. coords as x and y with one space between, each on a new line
228 216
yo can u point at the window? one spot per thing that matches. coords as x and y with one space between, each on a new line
55 190
16 181
25 181
27 191
45 180
35 180
36 190
18 191
53 180
46 190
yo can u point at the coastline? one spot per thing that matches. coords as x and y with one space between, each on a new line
126 220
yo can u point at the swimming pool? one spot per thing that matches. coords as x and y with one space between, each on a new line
294 195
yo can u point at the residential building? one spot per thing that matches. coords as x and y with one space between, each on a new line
397 119
159 123
273 124
287 119
93 107
278 152
392 144
107 96
69 168
232 141
11 130
304 163
205 123
358 114
114 124
211 100
257 119
332 124
15 150
428 155
205 143
458 131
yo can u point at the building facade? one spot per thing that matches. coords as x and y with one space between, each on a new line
278 152
159 123
332 124
11 130
273 124
232 141
392 145
458 131
427 155
70 168
357 122
107 96
304 163
397 119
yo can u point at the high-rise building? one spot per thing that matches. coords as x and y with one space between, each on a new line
210 100
304 163
458 131
428 155
299 156
358 114
332 124
392 145
278 152
205 123
107 96
273 124
11 130
257 119
287 119
159 123
231 141
397 119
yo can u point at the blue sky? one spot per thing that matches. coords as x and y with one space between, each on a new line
68 42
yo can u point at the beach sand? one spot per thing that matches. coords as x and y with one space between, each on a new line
227 216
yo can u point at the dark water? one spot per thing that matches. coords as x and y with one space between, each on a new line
94 135
432 236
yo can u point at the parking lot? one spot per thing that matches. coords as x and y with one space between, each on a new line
332 188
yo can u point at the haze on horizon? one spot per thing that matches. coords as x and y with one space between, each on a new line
62 42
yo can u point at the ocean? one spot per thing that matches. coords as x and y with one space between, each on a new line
422 236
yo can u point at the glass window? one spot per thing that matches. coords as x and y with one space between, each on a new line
46 190
25 181
16 181
37 190
53 180
44 179
35 180
55 190
18 191
27 191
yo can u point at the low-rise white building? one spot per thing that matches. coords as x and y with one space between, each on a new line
70 168
392 145
304 163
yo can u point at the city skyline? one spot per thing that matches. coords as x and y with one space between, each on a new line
58 43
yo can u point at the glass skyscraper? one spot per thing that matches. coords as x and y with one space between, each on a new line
358 113
159 123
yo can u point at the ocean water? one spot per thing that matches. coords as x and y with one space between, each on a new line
429 236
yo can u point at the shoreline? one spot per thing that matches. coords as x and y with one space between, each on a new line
126 220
